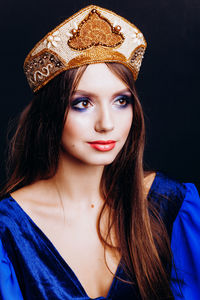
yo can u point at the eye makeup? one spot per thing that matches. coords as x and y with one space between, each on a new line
84 103
123 101
80 104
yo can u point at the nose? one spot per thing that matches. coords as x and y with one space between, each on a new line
104 121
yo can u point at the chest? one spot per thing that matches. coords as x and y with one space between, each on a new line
84 253
79 246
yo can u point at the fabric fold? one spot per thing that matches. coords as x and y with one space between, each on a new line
9 286
185 246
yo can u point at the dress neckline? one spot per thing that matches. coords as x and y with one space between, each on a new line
65 265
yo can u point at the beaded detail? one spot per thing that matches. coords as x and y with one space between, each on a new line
92 35
136 58
41 68
52 40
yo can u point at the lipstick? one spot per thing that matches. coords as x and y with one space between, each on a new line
103 145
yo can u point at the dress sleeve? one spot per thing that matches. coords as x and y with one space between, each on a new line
185 244
9 287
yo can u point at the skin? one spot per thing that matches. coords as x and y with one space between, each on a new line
105 114
66 207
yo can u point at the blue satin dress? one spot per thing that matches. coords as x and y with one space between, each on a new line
31 268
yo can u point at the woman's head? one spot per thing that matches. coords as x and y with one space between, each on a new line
99 117
51 120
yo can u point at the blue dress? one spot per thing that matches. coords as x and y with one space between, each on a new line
32 268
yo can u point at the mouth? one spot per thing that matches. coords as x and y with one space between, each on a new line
103 145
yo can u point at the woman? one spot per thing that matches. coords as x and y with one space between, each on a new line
79 217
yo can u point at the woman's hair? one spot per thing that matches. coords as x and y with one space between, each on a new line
141 238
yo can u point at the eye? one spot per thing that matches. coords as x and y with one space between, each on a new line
81 104
123 101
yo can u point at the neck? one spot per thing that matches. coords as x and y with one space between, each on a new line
78 184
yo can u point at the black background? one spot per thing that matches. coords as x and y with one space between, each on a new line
168 83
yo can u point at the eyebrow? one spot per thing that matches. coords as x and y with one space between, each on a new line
94 95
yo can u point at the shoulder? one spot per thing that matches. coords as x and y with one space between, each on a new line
13 220
169 196
6 207
34 195
167 187
8 214
161 187
10 222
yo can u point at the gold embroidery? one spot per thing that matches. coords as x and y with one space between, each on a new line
95 30
96 54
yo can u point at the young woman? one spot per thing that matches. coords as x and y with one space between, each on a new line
80 219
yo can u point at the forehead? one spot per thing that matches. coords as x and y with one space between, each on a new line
98 77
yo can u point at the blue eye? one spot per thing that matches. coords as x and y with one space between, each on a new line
80 104
123 101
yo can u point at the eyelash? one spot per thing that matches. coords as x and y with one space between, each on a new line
77 101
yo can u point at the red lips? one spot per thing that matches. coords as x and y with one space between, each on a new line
103 145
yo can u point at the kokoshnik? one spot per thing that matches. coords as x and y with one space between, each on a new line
92 35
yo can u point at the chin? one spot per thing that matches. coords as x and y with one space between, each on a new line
95 159
102 163
102 160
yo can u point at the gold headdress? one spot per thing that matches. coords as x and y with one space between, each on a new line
92 35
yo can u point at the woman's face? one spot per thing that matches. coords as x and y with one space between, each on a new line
99 118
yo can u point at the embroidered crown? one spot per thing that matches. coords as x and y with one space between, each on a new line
92 35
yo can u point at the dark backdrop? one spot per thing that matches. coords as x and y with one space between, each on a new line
168 83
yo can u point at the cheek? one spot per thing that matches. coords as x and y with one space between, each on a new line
125 122
75 128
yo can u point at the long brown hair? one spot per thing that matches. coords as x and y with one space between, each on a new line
141 237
